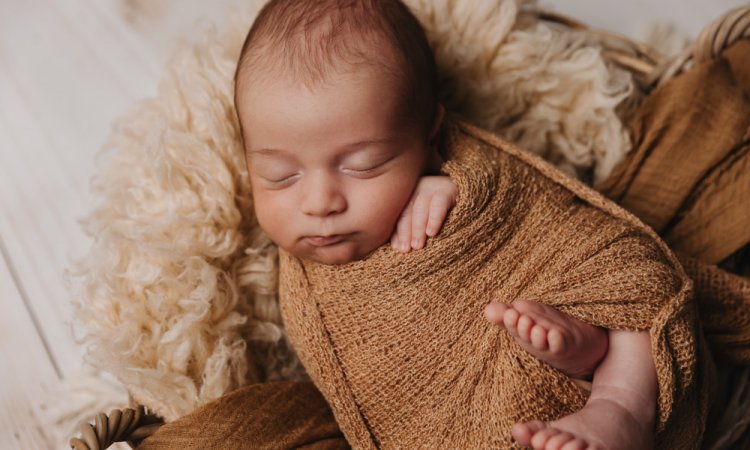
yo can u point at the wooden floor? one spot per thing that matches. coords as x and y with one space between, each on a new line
67 69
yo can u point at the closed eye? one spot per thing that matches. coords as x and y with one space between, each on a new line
367 170
371 169
280 181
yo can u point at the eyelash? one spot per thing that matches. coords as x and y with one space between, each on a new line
371 169
357 171
281 181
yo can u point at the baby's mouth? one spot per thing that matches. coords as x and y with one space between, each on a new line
324 241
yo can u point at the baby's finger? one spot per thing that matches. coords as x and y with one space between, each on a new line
403 229
396 240
439 207
419 221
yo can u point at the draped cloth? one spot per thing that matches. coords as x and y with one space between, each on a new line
398 345
274 415
688 178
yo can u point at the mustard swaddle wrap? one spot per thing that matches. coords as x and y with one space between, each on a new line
398 343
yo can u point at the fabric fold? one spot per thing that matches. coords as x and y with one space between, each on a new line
274 416
723 301
687 176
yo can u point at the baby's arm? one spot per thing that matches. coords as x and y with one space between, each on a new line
423 216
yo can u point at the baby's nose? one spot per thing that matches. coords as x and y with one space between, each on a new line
322 197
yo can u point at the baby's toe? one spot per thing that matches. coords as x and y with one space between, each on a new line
540 438
541 313
556 341
495 312
556 441
510 320
525 324
539 337
522 432
575 444
530 307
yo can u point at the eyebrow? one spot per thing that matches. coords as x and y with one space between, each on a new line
348 148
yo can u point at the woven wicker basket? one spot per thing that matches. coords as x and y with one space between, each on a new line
649 69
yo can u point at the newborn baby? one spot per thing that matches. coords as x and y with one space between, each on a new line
337 102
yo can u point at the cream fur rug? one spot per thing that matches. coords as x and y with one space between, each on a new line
177 296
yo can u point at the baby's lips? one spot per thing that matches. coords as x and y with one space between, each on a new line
324 241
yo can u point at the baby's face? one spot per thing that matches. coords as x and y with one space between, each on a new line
333 167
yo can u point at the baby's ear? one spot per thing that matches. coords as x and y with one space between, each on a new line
435 161
436 124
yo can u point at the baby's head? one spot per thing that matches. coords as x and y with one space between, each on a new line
337 101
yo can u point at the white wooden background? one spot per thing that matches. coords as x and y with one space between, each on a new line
67 69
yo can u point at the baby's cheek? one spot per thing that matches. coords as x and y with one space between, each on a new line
382 210
270 215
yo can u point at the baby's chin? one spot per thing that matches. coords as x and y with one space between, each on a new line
341 253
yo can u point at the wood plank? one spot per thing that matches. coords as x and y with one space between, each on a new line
130 61
70 89
60 92
26 372
67 70
37 206
161 25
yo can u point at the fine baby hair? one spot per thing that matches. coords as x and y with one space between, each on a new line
311 39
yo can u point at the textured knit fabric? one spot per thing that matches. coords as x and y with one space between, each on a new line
723 302
273 416
688 176
398 344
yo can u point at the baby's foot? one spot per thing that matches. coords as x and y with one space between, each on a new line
562 341
602 424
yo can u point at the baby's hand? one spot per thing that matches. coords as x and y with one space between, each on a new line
423 216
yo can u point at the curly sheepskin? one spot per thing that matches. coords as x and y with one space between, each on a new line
178 295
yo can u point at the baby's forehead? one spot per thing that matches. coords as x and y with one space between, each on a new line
312 41
314 62
372 59
362 103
